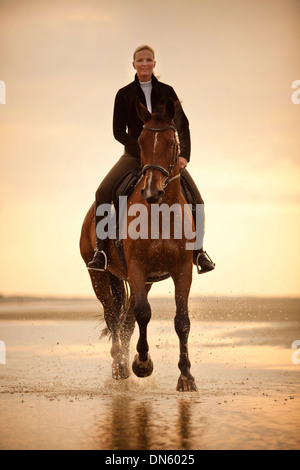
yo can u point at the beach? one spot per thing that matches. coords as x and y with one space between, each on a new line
56 390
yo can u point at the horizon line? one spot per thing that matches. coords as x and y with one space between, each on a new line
53 297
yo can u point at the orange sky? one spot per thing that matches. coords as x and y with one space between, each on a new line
232 63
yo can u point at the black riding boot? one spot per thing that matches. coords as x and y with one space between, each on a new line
203 262
201 259
99 261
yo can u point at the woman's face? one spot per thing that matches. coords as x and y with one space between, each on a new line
144 64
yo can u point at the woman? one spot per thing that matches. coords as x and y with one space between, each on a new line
127 128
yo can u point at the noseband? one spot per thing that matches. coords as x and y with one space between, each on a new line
153 166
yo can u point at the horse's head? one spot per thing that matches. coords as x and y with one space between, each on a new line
159 149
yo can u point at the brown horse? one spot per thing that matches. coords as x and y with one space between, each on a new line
147 257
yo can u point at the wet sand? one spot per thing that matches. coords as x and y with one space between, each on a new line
56 390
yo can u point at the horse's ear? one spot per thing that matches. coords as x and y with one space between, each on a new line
142 111
170 109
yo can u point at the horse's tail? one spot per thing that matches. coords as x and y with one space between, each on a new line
119 290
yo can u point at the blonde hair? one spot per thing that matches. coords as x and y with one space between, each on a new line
143 47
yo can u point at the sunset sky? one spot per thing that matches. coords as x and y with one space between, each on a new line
231 62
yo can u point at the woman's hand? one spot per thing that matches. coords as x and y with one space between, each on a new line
182 162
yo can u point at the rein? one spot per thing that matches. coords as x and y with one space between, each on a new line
153 166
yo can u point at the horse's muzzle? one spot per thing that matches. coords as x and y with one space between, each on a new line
153 197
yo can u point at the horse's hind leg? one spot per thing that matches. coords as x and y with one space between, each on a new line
182 282
104 293
127 327
126 320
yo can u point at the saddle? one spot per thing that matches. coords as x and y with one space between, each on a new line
124 187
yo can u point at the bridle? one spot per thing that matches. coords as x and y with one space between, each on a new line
153 166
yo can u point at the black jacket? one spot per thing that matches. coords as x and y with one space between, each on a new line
127 126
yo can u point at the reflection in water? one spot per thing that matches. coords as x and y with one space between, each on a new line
130 424
142 429
184 424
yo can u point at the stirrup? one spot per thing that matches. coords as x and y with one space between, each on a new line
199 269
105 262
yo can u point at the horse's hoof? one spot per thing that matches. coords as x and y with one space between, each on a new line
142 369
186 384
120 372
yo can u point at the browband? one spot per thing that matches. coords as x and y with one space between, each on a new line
162 129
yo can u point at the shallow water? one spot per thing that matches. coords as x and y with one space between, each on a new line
56 390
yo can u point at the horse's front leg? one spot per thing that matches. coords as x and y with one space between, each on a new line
142 365
183 280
